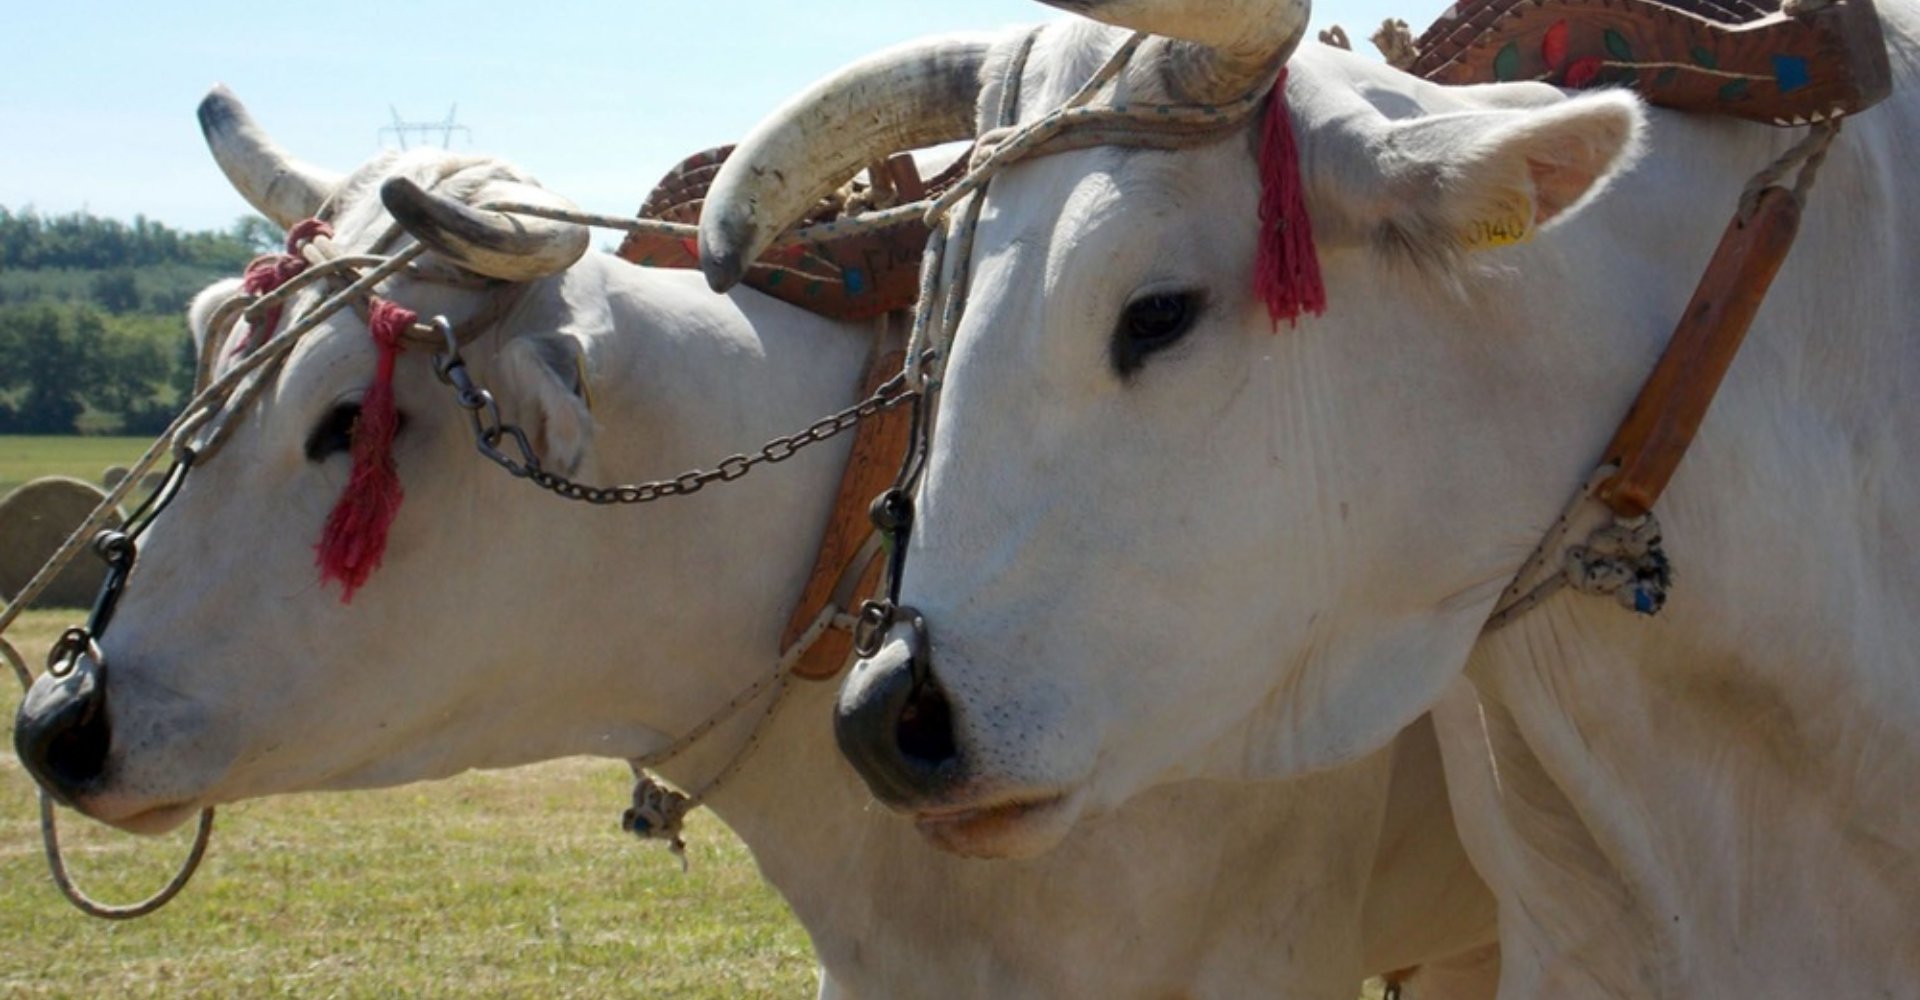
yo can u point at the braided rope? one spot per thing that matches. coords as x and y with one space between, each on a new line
1807 155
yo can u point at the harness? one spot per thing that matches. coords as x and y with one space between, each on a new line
351 279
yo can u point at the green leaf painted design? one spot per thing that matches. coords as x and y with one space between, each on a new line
1617 45
1704 57
1506 65
1735 91
1666 76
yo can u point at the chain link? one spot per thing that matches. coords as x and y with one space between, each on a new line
491 431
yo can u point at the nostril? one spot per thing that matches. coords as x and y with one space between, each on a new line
62 731
924 732
77 754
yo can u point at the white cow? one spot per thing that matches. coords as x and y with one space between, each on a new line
1159 539
507 626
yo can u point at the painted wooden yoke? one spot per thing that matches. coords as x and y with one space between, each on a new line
1792 65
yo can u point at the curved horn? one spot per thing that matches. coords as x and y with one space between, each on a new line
494 244
1218 48
276 185
919 94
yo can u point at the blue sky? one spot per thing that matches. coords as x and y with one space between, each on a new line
597 100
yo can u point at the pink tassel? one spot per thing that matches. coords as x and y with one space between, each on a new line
1286 267
355 538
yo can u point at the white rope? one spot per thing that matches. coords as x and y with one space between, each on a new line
659 812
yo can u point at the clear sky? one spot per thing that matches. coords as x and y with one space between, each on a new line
596 99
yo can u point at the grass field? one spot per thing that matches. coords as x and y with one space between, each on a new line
25 457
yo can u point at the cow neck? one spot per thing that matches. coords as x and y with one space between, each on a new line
1623 556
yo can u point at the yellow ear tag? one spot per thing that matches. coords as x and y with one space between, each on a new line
1507 221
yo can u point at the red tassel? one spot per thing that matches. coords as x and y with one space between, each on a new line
268 272
355 538
1286 267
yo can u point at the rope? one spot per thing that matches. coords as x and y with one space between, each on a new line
851 225
56 863
659 812
1395 41
1807 155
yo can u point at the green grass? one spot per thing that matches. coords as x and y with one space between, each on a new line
497 884
26 457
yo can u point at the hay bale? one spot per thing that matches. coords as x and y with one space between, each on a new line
114 476
151 481
34 520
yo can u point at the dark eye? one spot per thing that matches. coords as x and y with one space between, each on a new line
334 433
1150 324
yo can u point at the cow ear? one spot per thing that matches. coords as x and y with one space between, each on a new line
545 378
1484 179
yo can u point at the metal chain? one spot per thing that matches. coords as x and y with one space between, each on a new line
491 432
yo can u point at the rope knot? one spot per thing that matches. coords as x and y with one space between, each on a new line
1624 559
658 813
267 272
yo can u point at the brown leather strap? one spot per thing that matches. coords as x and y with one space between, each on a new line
879 446
1657 430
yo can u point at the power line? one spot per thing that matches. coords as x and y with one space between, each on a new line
423 131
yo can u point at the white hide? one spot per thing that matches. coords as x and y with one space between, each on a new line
507 626
1265 552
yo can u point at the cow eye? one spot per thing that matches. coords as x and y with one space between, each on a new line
334 433
1152 323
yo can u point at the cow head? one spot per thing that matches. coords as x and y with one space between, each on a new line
1159 537
490 635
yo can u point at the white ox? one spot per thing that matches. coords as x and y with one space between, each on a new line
1158 539
507 626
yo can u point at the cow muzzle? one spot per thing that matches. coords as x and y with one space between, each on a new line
61 731
895 724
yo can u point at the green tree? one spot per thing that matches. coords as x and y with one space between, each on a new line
45 356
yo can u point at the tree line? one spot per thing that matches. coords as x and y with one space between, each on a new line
93 333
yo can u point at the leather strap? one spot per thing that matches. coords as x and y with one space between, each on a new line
1654 437
879 446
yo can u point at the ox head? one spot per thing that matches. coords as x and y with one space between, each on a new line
230 670
1159 537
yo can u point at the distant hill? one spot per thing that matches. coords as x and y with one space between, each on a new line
93 333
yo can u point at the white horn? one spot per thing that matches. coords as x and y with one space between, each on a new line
276 185
1230 45
494 244
917 95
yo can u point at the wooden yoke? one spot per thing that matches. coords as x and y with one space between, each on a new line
879 446
1673 401
1808 62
